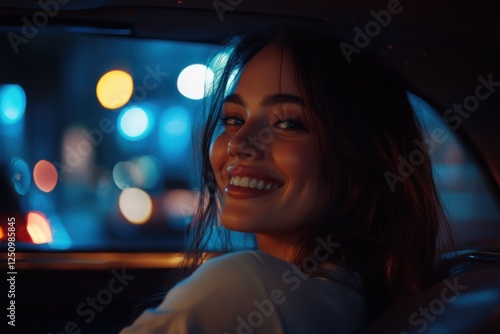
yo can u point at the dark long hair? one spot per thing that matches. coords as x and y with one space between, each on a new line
387 218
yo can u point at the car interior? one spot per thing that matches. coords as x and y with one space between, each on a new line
98 103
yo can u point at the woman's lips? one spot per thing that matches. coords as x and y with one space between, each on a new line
245 192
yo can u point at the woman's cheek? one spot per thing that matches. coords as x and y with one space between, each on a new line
297 157
216 153
218 157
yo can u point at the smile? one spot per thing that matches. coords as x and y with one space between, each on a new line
250 182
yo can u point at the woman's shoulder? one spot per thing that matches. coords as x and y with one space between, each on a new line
247 275
243 263
255 265
249 257
233 274
251 291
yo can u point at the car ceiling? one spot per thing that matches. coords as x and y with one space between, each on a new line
439 47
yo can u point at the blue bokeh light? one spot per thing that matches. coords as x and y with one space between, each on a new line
12 103
127 175
42 202
150 168
175 131
20 176
177 125
134 123
60 237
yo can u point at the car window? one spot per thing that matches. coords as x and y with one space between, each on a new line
463 187
96 136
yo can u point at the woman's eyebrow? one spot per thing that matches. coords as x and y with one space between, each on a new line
268 100
274 99
234 98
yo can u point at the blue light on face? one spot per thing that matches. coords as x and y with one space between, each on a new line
134 123
12 103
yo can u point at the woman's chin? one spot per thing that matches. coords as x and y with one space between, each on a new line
239 226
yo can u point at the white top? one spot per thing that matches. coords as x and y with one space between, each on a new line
252 292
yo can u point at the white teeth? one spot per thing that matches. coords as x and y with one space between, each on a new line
235 181
247 182
244 181
252 183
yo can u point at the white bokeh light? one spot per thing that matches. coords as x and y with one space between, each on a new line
135 205
194 81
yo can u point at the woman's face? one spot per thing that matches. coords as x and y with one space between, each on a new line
265 159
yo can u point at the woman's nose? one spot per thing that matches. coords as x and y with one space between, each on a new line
246 145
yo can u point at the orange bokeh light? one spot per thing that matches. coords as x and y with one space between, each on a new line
114 89
38 228
45 176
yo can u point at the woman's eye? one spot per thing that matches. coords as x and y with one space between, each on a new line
230 120
289 124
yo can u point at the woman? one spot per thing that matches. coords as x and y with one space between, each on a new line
310 154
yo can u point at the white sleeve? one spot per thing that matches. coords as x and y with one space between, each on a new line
252 293
216 298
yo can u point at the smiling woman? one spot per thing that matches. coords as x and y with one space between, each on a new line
296 152
266 99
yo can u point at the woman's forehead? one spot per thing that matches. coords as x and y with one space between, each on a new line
270 70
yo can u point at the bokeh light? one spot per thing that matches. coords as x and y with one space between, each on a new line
135 205
141 172
38 228
127 175
194 81
12 103
20 176
78 151
1 233
180 203
176 123
60 237
175 131
150 168
41 201
134 123
45 176
114 89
